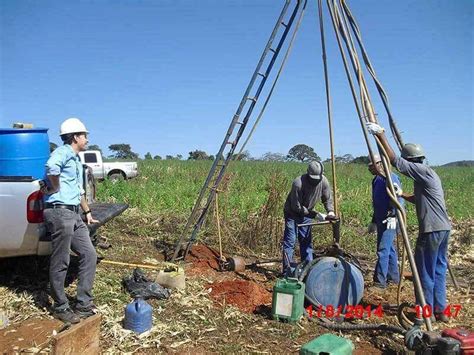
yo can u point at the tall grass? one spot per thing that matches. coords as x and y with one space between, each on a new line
251 203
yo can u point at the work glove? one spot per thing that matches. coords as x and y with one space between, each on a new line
374 128
320 217
312 214
372 228
331 216
391 223
398 190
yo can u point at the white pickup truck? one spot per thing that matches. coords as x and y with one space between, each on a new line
22 231
112 170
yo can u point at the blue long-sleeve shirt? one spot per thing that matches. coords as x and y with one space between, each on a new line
380 199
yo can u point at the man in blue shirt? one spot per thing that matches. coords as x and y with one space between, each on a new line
384 218
63 194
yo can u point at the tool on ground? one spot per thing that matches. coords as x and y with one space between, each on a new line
238 263
131 265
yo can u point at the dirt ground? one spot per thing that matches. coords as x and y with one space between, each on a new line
217 312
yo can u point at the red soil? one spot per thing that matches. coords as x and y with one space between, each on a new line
203 257
245 295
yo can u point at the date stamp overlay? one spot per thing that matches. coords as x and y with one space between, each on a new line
348 311
360 312
451 311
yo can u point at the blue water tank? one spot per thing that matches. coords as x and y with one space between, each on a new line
138 316
23 152
334 281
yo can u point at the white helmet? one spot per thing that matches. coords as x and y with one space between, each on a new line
72 125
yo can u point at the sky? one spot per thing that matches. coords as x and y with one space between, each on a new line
167 76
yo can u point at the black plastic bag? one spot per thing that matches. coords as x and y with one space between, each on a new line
138 285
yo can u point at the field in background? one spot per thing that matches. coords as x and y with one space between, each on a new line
250 206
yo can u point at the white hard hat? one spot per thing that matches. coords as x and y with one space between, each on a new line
315 170
72 125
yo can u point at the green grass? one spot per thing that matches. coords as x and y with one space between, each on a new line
251 203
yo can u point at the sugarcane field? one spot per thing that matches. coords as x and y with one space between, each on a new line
269 177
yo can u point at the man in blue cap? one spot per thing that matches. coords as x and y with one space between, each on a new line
306 191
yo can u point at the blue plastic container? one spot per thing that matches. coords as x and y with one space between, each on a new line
333 281
138 316
23 152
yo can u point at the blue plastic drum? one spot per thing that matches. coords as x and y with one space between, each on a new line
23 152
335 282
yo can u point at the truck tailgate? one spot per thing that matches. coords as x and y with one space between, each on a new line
104 212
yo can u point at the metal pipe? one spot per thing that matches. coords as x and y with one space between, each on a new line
401 217
328 104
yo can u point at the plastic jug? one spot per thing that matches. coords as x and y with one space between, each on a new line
288 300
138 316
328 344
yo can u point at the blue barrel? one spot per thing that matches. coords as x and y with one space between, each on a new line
138 316
23 152
333 281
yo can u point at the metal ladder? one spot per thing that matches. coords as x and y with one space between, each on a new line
237 127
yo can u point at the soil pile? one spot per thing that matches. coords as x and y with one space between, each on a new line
245 295
203 257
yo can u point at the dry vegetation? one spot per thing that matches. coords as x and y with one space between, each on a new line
250 211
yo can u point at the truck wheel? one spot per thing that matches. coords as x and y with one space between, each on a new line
115 177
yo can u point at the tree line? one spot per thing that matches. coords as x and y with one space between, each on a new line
300 152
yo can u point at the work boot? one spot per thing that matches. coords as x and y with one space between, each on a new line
85 312
67 316
441 317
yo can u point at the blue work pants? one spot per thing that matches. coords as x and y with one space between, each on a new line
386 268
432 263
289 241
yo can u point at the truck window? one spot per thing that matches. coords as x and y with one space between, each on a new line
90 158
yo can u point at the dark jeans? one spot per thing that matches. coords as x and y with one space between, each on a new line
386 268
431 258
289 241
69 232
